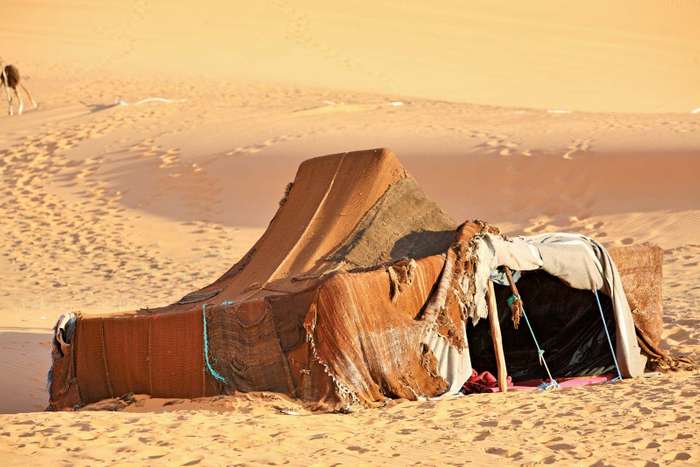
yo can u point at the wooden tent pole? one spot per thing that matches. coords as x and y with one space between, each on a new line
497 339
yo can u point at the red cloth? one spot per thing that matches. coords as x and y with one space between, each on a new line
482 382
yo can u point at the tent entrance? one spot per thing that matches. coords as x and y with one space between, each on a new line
566 322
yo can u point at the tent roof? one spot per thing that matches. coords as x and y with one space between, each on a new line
343 211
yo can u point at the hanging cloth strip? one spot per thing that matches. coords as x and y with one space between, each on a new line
514 301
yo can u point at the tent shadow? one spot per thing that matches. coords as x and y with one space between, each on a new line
422 243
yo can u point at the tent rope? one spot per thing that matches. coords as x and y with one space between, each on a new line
552 384
205 335
607 334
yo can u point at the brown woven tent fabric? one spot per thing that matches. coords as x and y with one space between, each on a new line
333 304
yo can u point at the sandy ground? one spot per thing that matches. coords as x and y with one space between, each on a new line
532 117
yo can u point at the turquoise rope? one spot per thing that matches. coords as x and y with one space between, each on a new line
552 382
607 334
211 369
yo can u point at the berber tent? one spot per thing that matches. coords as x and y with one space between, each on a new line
363 289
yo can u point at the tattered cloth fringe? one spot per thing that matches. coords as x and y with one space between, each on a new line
464 281
660 359
401 275
458 282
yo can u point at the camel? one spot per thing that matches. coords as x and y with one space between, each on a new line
10 79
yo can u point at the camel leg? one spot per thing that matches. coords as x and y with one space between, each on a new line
29 95
21 102
9 101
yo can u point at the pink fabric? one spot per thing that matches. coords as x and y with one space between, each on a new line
572 382
486 382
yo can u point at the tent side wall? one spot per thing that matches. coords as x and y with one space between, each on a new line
345 339
640 268
355 337
370 342
159 354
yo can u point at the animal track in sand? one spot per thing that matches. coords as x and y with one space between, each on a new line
62 223
299 30
169 159
121 31
259 147
498 144
576 147
686 126
539 224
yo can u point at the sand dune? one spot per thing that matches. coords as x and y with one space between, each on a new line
125 207
119 200
536 54
534 117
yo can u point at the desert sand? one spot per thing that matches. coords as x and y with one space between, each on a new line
165 137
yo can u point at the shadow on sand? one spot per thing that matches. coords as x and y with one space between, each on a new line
24 362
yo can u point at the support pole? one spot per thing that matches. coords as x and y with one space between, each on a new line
497 339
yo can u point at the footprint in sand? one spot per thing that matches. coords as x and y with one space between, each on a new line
577 146
75 226
498 144
299 30
538 226
169 158
259 147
